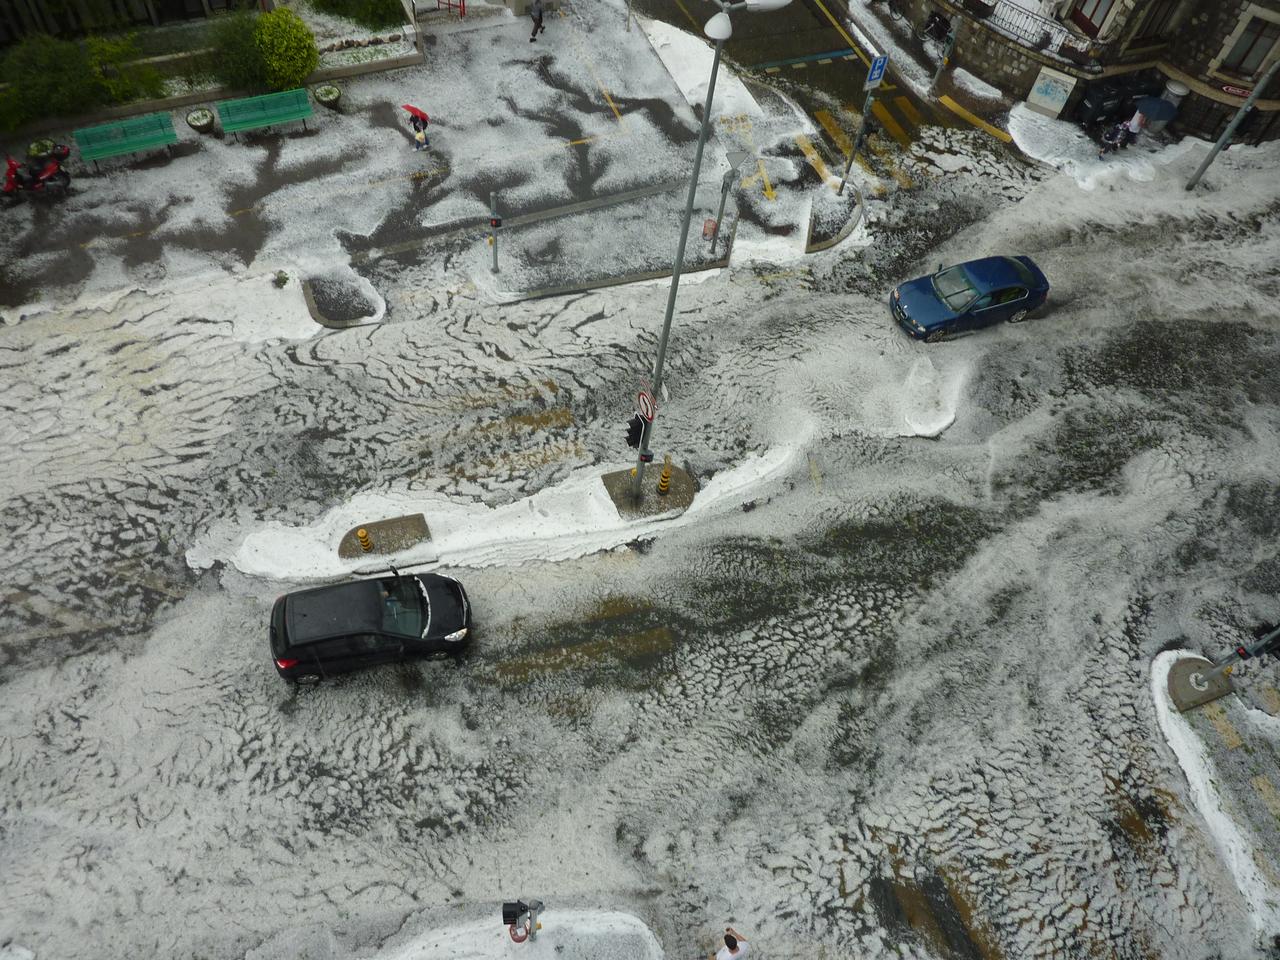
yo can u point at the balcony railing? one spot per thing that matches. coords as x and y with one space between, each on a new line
1034 31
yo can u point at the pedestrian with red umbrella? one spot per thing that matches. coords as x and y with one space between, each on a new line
418 120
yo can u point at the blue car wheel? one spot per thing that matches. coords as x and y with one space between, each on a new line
936 336
1019 316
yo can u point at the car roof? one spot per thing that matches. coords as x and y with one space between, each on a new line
994 273
334 611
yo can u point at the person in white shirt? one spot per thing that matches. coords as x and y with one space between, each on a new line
735 946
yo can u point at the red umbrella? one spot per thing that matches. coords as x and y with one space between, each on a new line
420 114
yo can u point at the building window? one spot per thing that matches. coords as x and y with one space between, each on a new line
1252 48
1089 15
1157 20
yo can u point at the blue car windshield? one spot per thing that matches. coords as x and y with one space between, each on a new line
401 608
954 289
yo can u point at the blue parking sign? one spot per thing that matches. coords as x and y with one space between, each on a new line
876 73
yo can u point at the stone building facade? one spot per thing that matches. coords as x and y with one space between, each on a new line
1215 50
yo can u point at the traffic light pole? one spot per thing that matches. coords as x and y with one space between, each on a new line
645 456
1235 122
1267 643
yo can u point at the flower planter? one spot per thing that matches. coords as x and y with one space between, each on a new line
200 120
327 95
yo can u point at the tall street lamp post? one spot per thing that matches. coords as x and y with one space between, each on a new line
719 29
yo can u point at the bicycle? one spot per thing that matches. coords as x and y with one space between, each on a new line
894 10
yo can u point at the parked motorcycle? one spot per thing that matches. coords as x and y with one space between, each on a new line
38 177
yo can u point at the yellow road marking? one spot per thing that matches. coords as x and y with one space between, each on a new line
976 121
813 472
799 66
847 39
826 61
1231 738
696 25
772 69
837 135
891 161
890 124
760 175
908 110
1267 790
815 160
1270 700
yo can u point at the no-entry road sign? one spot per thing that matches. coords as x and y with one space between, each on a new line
646 406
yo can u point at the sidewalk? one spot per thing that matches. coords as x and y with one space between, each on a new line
586 144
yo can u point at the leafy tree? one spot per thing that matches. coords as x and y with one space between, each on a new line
116 76
49 77
287 48
238 62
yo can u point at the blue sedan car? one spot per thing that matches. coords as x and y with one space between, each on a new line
968 296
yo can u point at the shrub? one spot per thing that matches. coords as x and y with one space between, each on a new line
47 77
374 14
50 77
287 48
238 62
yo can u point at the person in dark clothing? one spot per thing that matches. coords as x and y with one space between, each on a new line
536 12
1113 139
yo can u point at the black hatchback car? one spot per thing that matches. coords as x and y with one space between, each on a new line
326 631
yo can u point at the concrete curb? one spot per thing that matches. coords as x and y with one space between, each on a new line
811 247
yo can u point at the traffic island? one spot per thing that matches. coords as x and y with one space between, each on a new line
1193 682
382 537
680 490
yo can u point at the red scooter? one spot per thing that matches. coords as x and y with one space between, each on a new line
38 177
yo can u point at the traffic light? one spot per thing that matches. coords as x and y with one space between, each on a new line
495 222
1243 652
635 427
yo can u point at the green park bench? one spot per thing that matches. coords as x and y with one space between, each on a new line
125 136
253 112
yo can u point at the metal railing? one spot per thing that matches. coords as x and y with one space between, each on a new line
1035 31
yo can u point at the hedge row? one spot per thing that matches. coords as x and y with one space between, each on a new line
48 77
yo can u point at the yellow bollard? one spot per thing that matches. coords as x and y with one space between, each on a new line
366 544
664 482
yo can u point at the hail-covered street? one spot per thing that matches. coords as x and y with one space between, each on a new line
887 694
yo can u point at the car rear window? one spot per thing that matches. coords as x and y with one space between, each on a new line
1023 273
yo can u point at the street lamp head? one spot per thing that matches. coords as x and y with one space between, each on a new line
764 6
719 28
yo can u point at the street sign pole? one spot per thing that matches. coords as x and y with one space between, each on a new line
874 75
735 160
493 228
946 59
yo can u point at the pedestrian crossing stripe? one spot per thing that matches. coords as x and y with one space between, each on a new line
891 126
975 120
815 160
837 135
908 110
